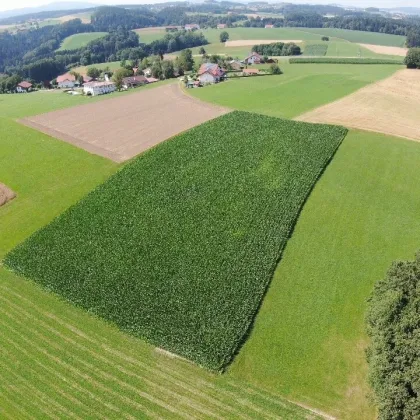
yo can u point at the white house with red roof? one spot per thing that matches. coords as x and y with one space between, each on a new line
254 58
24 87
68 81
210 73
221 26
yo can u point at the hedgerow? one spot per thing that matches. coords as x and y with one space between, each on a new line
318 50
332 60
180 245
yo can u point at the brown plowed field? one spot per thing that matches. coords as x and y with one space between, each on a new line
391 106
125 126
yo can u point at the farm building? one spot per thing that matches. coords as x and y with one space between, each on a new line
134 81
68 81
236 65
221 26
98 88
250 72
254 58
269 26
24 87
210 73
192 26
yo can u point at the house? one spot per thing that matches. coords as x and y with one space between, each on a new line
236 65
66 81
24 87
191 26
269 26
210 73
250 72
221 26
254 58
87 79
98 88
134 81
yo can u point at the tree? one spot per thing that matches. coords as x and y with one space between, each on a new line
275 69
93 72
202 51
325 38
167 69
413 38
186 60
157 69
393 320
412 60
224 36
119 75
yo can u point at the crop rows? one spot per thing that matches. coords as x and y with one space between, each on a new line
180 245
332 60
317 50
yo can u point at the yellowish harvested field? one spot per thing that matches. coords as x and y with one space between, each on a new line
380 49
391 106
123 127
251 42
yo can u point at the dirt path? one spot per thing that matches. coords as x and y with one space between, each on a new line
122 127
391 106
6 194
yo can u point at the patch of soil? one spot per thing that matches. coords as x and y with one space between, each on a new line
6 194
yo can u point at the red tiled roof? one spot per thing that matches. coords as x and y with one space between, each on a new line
254 54
25 85
210 68
66 77
87 79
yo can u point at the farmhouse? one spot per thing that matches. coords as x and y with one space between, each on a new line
250 72
254 58
98 88
66 81
221 26
24 87
192 26
134 81
210 73
236 65
269 26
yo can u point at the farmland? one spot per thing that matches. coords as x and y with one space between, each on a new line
74 42
206 213
65 362
133 112
308 340
300 89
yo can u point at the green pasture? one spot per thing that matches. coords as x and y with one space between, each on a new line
308 340
148 35
74 42
301 88
361 37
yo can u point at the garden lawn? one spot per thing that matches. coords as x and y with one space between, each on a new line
301 88
180 245
74 42
309 338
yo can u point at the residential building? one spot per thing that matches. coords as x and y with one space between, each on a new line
66 81
134 81
98 88
24 87
210 73
221 26
192 26
236 65
269 26
254 58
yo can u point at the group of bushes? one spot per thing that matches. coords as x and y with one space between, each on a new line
180 245
277 49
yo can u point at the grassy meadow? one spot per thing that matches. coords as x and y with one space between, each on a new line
59 361
74 42
308 340
301 88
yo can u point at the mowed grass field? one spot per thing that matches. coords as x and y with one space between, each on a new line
73 42
59 361
309 338
301 88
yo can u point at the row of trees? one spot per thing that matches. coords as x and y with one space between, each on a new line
413 58
277 49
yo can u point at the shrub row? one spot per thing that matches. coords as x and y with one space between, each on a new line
180 245
318 50
332 60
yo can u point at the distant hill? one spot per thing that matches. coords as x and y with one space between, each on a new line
405 10
68 5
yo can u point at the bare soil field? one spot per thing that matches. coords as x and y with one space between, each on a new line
251 42
379 49
6 194
127 125
391 106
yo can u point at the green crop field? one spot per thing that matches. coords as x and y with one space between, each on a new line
73 42
59 361
187 268
308 341
361 37
300 89
316 49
